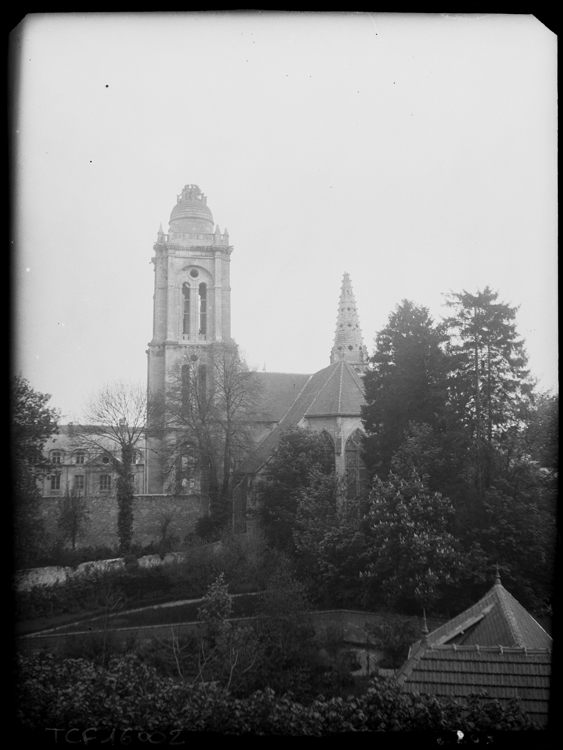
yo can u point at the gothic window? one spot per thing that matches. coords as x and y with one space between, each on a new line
356 475
202 309
55 481
105 482
186 309
79 482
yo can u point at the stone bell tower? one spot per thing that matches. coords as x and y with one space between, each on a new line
192 301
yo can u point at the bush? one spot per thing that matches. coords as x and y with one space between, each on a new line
87 593
393 635
130 694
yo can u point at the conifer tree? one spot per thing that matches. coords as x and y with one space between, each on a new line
489 389
406 383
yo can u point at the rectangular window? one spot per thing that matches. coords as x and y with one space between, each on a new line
105 482
80 458
79 482
55 481
56 457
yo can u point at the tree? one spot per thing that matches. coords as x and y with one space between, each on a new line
32 423
299 453
329 540
411 551
209 412
73 516
117 418
489 389
406 382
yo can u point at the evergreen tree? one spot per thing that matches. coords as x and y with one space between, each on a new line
299 453
489 388
405 383
330 541
32 423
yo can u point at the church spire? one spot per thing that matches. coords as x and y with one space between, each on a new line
348 342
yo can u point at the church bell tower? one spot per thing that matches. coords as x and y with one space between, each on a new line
192 301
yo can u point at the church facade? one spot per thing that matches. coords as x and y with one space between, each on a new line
191 324
192 297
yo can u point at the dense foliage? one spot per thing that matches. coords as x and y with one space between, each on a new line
129 696
406 382
288 471
32 423
454 403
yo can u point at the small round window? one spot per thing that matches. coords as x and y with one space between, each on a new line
105 460
194 274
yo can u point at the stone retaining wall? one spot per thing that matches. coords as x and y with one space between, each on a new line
149 513
27 579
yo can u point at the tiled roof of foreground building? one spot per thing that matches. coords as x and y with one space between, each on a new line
451 671
495 645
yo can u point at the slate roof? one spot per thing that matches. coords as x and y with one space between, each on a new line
497 619
505 673
278 390
334 391
495 645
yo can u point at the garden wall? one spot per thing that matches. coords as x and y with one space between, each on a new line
149 514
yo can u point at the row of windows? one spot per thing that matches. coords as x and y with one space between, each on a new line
79 457
79 482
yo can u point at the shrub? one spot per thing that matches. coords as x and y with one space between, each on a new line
130 694
393 635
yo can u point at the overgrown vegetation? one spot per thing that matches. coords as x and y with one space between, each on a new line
32 423
129 695
461 452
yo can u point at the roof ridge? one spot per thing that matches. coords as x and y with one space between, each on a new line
490 649
506 607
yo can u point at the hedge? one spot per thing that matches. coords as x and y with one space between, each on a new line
129 694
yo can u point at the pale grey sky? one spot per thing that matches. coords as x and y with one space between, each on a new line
415 152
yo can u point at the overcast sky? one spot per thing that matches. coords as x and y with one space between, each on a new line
415 152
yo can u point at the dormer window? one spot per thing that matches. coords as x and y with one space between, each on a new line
56 457
79 457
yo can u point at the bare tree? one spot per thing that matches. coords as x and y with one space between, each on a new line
116 421
210 408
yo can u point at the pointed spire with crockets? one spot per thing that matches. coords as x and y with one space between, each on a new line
348 342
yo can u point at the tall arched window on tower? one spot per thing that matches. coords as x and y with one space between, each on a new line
356 474
186 309
203 309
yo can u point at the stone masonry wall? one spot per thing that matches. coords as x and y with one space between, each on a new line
149 512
